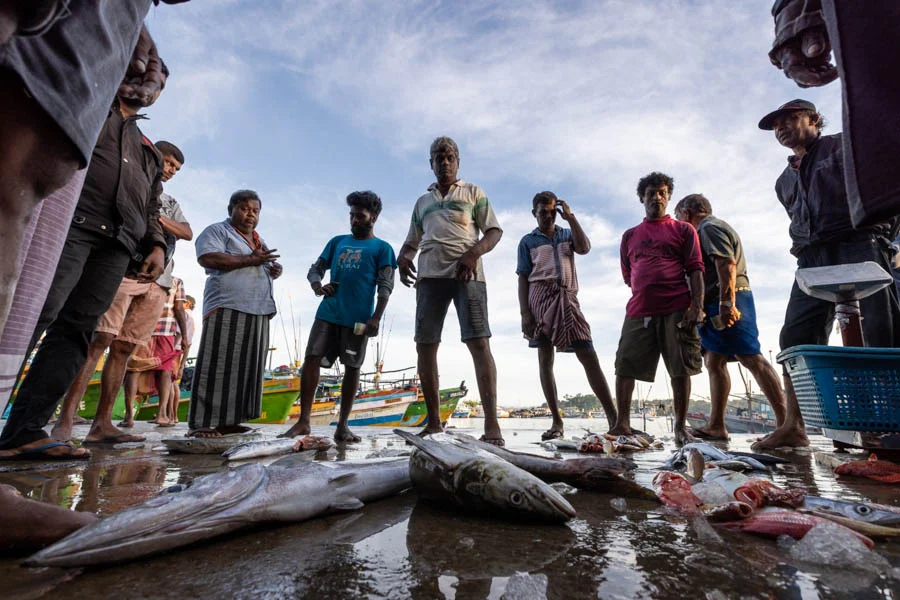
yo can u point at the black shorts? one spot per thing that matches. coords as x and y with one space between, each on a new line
433 298
332 341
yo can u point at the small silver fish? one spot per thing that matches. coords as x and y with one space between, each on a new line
214 445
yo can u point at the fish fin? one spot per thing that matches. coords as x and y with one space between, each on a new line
348 504
433 449
342 478
296 459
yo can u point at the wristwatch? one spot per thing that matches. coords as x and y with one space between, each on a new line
727 303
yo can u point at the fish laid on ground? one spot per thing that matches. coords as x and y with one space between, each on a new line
561 445
767 459
730 511
776 522
695 464
760 492
479 480
258 448
675 492
873 468
876 514
213 445
290 489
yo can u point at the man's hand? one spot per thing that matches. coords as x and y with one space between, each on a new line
528 324
801 47
465 268
564 210
262 256
328 290
691 317
144 78
372 326
275 270
407 270
153 265
729 315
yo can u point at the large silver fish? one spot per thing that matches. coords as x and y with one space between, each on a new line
291 489
213 445
876 514
481 481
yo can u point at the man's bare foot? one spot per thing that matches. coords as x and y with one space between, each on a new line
62 431
682 437
621 430
107 433
707 433
79 420
783 436
297 429
128 423
343 434
27 525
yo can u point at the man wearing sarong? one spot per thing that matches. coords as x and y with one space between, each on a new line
662 264
551 315
446 223
237 304
362 268
729 332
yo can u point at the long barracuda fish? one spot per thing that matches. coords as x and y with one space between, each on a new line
481 481
291 489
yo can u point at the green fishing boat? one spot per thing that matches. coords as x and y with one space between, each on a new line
416 413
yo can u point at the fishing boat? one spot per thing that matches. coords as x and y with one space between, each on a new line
384 407
416 414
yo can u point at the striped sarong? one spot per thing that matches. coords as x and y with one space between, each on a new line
228 376
558 314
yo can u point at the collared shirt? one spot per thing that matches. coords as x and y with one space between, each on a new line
169 207
719 239
247 289
443 228
167 325
656 257
814 195
544 259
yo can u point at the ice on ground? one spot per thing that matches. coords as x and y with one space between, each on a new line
704 531
390 453
619 504
830 544
711 493
785 543
563 488
523 586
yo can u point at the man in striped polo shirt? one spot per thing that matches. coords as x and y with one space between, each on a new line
452 226
551 315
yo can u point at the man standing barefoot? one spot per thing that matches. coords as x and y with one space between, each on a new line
551 315
360 263
445 226
658 258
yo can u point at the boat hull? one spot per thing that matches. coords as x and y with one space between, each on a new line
417 415
385 408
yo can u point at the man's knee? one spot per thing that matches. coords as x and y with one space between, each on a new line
715 361
121 348
480 344
101 341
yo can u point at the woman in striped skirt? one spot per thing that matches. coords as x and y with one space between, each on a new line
237 306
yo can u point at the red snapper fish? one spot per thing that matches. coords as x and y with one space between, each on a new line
879 470
675 491
784 522
759 492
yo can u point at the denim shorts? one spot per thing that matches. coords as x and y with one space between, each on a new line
433 297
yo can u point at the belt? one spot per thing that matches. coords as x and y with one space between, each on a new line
743 288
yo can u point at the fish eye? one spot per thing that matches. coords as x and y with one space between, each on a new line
515 498
863 510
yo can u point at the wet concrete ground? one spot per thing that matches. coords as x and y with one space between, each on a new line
405 548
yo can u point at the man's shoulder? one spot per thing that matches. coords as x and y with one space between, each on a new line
382 244
472 189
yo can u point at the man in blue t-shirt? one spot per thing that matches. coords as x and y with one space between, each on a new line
360 264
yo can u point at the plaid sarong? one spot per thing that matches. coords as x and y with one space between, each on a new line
558 315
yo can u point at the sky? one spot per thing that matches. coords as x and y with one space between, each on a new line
307 102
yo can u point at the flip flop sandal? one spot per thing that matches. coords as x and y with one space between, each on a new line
40 453
551 434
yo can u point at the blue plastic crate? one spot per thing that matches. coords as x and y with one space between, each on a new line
856 389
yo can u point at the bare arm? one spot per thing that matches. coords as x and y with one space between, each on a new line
181 319
468 262
695 311
182 231
580 242
528 322
222 261
406 265
726 270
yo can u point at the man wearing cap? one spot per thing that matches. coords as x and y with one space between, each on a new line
812 190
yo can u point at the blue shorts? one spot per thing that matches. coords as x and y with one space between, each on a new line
740 339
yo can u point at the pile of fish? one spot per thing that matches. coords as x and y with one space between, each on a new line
740 503
603 443
694 457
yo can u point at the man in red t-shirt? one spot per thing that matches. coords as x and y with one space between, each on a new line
662 264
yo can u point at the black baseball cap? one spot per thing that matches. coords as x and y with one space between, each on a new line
768 122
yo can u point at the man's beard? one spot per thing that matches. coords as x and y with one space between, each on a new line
361 230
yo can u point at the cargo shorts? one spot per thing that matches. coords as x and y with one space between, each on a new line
644 339
433 298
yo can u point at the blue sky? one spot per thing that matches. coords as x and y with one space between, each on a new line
306 102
